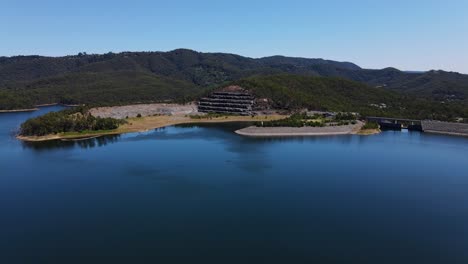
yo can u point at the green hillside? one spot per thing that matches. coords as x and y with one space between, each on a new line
113 88
212 69
335 94
14 100
182 75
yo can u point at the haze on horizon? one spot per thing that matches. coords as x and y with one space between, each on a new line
408 35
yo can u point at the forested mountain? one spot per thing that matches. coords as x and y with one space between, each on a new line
182 74
197 68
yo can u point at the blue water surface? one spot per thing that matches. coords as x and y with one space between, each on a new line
202 194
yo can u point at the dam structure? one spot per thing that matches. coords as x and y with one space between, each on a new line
388 123
230 100
427 126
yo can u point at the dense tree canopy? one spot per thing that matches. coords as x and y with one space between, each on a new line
69 120
11 101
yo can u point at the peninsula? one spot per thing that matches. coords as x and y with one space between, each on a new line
140 118
144 117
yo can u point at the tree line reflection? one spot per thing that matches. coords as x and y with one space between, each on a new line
62 144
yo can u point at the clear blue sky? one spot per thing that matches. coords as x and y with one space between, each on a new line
409 35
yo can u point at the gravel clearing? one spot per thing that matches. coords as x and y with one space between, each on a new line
121 112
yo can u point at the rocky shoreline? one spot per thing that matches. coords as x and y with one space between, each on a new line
254 131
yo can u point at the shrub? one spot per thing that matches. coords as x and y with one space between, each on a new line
370 125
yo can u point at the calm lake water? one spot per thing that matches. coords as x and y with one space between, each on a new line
202 194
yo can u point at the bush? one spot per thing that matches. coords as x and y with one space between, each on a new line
370 125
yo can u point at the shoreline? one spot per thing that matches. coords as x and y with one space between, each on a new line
36 108
291 134
19 110
144 124
43 105
369 132
163 115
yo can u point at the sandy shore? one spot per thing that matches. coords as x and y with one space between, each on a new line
152 122
254 131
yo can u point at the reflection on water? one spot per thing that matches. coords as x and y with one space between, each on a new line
64 144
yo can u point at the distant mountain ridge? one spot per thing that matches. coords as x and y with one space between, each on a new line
166 75
180 63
